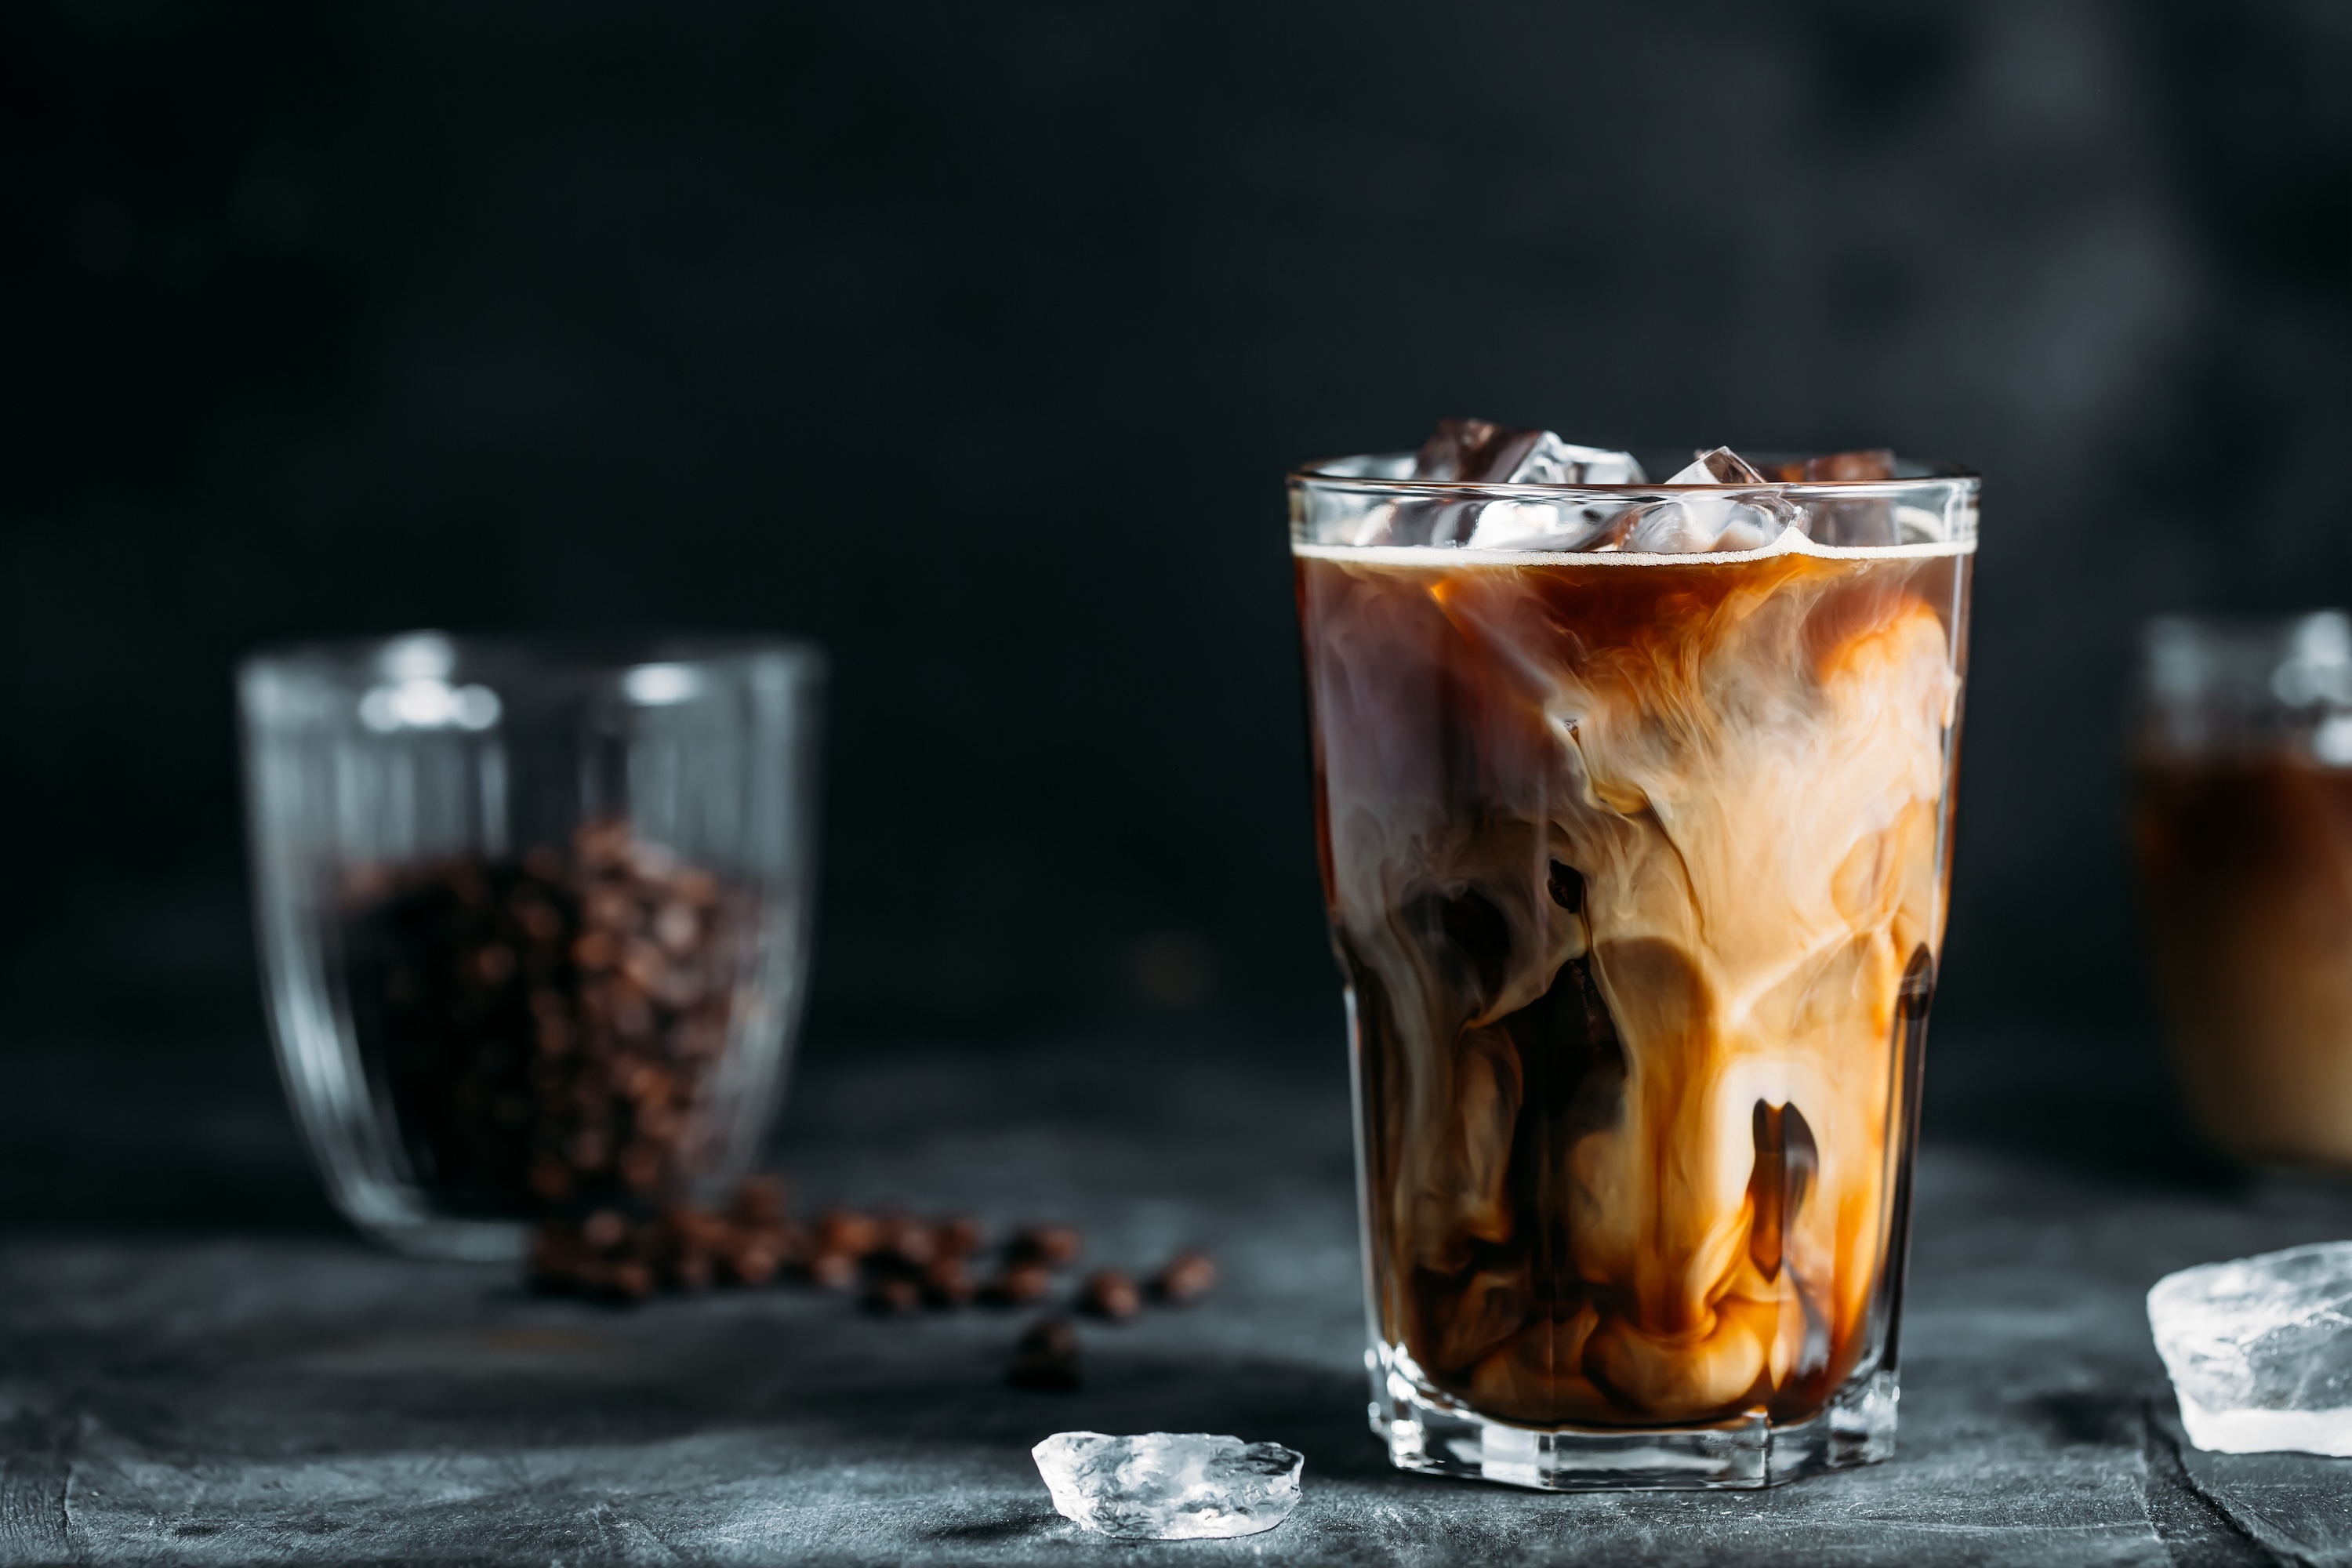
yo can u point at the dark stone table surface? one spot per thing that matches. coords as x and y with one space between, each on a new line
198 1367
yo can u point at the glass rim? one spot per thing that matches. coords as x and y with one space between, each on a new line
559 653
1324 474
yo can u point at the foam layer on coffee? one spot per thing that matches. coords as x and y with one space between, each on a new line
1629 867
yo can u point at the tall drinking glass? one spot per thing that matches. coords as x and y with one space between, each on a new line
2243 821
533 922
1635 852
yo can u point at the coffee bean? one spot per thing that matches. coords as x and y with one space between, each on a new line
603 845
832 1271
550 1179
557 1255
902 1235
644 965
1046 1357
760 1199
754 1259
1109 1293
688 1227
610 911
604 1229
1187 1276
846 1230
948 1282
651 862
632 1018
553 1036
894 1295
640 1165
958 1235
675 927
539 919
1017 1286
1052 1244
628 1281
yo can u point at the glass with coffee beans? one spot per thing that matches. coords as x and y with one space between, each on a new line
534 921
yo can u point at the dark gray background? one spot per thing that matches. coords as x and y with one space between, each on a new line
973 341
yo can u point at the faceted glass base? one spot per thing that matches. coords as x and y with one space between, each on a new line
1442 1439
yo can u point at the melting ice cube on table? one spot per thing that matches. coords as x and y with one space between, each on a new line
2260 1350
1170 1486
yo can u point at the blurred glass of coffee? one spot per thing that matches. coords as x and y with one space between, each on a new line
2243 826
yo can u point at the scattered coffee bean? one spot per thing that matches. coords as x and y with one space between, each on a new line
1052 1245
832 1271
904 1238
958 1235
897 1261
754 1259
558 1260
1187 1276
894 1295
1046 1357
847 1231
1017 1286
948 1282
628 1281
761 1200
1109 1293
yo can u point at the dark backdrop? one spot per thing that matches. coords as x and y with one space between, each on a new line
973 341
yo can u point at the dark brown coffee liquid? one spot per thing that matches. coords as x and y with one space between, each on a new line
2246 876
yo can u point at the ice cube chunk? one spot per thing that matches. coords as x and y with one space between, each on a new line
1483 452
1693 524
1543 525
1721 465
2260 1350
1698 523
1477 452
1170 1486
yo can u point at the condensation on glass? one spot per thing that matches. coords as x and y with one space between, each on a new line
527 915
1636 871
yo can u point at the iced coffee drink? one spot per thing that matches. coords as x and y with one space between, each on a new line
2242 825
1634 808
